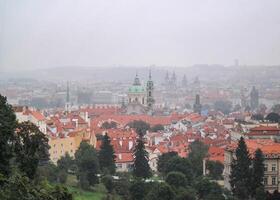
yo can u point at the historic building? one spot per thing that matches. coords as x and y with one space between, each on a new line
254 98
197 105
140 98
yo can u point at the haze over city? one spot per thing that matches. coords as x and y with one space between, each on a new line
47 34
139 100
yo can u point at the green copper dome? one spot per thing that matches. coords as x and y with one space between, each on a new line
136 89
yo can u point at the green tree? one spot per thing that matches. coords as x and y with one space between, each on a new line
109 125
141 168
258 171
65 162
260 193
198 151
106 156
207 189
161 191
240 178
31 148
176 179
215 169
87 165
137 190
182 165
140 126
108 182
164 159
7 129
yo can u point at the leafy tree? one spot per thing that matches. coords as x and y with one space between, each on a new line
258 171
176 179
198 151
141 166
215 169
157 127
122 186
161 191
207 189
106 156
223 106
87 165
108 182
164 159
260 193
137 190
47 172
31 148
182 165
240 178
140 126
258 117
7 128
273 117
65 162
185 194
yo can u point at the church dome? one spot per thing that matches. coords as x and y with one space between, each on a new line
136 89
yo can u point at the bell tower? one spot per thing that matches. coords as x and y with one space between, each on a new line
150 92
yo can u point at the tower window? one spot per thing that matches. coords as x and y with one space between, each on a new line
143 100
150 93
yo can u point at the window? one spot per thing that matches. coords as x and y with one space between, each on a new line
265 167
273 180
119 165
265 180
273 167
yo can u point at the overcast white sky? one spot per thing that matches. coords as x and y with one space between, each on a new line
49 33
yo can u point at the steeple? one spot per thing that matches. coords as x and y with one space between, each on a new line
150 91
67 103
197 106
254 98
136 80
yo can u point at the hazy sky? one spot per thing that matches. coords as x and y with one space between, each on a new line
49 33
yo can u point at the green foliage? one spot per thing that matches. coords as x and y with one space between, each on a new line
176 179
258 171
157 127
207 189
137 190
48 172
198 151
141 168
161 191
87 164
182 165
7 128
31 148
215 169
260 193
185 194
122 187
164 159
140 126
107 156
65 162
240 178
108 182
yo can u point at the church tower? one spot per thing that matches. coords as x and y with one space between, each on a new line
197 106
254 98
150 91
67 103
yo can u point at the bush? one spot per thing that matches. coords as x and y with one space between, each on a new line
176 179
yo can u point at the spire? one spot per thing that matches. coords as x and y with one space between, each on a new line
67 93
136 80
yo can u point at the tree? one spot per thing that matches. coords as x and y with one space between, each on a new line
65 162
161 191
273 117
87 165
137 190
108 182
276 108
258 117
223 106
182 165
176 179
164 159
260 193
31 148
215 169
7 128
157 127
140 126
106 156
258 171
198 151
240 178
207 189
109 125
141 166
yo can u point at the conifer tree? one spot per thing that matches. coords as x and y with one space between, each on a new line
7 128
141 166
240 178
106 156
258 171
